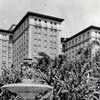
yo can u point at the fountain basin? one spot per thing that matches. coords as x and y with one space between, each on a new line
28 91
27 88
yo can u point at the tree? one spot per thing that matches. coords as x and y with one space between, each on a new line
71 79
9 75
75 80
67 77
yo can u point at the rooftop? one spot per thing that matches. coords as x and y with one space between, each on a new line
86 29
37 15
5 31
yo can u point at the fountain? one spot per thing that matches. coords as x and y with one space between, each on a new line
29 88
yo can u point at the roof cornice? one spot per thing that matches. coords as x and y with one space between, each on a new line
36 15
86 29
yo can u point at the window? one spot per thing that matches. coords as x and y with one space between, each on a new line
72 42
79 38
9 49
55 23
39 33
39 23
83 36
4 42
9 62
35 39
96 31
39 20
76 40
3 56
9 57
39 45
4 51
88 34
69 43
35 45
3 62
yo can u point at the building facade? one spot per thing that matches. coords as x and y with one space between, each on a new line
33 34
5 48
71 45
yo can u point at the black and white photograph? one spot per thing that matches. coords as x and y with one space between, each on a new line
49 49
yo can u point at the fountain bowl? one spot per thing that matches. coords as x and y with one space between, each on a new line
27 90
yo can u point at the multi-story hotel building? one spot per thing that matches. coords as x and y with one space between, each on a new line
35 33
5 48
80 40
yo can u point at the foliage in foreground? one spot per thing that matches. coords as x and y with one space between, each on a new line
71 80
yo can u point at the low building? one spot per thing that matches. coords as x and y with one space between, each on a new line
80 40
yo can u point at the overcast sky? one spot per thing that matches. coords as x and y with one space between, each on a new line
77 14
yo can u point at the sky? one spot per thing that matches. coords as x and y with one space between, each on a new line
77 14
